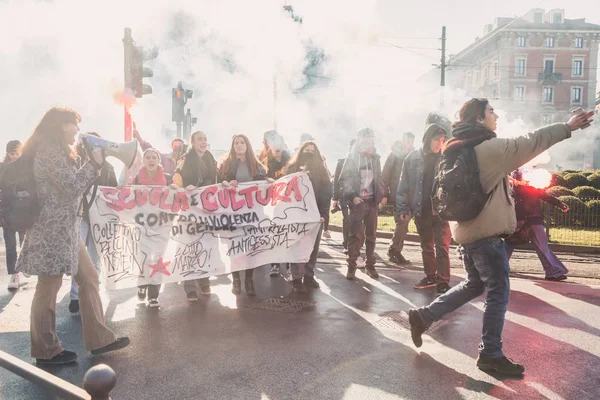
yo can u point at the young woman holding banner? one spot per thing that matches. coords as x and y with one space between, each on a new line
239 166
309 159
197 168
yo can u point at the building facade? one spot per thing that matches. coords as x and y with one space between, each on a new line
538 68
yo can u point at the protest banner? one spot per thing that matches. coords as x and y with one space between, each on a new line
152 235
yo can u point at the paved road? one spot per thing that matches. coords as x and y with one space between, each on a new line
351 344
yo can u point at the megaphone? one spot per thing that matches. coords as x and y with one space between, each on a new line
125 152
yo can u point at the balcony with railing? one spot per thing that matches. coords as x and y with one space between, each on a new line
547 77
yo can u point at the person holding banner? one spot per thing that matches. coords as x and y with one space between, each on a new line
152 174
309 159
239 166
52 245
197 168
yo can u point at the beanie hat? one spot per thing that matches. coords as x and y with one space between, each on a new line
365 132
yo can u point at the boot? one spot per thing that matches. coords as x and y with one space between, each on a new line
249 284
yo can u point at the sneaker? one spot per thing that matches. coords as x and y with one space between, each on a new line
351 273
237 287
274 271
153 303
442 287
397 258
64 357
249 286
361 262
205 289
502 365
74 306
298 287
142 293
372 272
326 235
417 327
14 282
310 281
192 296
118 344
549 278
425 283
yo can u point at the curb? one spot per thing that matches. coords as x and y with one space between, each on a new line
557 247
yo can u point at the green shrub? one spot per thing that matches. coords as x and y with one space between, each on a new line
557 180
586 192
594 180
558 191
573 180
594 213
587 173
575 217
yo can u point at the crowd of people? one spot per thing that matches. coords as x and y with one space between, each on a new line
59 242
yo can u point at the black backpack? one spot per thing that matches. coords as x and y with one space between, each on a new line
19 206
457 191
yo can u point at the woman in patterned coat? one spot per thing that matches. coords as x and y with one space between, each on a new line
52 245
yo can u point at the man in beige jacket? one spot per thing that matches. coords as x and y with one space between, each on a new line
482 238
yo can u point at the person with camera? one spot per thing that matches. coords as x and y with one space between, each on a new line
481 238
53 247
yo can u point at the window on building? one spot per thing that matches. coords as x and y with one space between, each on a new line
521 41
548 96
519 93
546 119
549 42
538 17
496 69
477 77
579 43
520 70
557 18
577 67
486 72
548 66
495 93
576 95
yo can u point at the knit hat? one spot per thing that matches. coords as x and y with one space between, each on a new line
365 132
306 136
13 145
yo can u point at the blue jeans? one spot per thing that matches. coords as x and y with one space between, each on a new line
487 268
88 240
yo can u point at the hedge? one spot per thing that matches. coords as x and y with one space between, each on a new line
558 191
587 192
594 180
557 180
574 179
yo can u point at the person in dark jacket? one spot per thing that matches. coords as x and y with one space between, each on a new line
239 166
309 159
13 152
276 161
530 225
391 177
413 199
197 168
338 199
107 178
362 189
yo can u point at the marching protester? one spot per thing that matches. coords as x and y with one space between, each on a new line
52 246
391 177
530 225
481 238
153 174
338 199
276 159
169 161
197 168
267 138
107 178
362 189
239 166
413 199
13 152
309 159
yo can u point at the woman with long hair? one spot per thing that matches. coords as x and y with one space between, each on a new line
152 174
13 152
309 159
239 166
197 168
52 245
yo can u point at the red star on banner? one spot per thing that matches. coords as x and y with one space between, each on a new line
160 266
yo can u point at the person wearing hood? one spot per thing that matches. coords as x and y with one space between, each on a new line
413 199
338 200
362 190
391 177
481 239
276 160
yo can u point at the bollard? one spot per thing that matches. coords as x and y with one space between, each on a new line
99 381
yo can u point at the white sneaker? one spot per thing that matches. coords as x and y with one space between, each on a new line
326 235
153 303
361 262
15 281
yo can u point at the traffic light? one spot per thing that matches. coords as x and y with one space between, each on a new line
179 97
135 72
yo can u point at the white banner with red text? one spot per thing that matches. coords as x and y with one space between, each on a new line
153 235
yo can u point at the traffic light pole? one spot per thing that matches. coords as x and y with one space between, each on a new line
128 43
443 67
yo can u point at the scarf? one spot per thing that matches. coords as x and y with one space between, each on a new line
467 135
159 178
